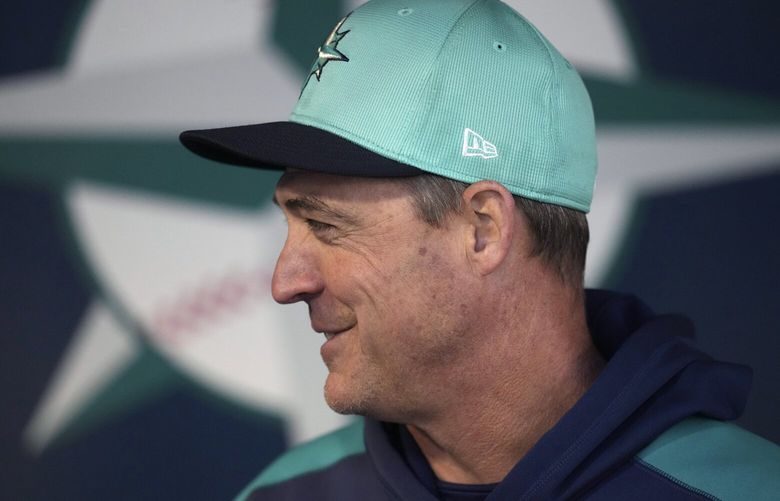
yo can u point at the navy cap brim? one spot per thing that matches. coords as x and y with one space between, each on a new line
281 145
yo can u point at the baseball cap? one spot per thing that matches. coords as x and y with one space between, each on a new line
466 89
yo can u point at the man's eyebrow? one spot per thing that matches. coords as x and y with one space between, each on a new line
310 203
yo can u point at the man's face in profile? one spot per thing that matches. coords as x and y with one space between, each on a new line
381 284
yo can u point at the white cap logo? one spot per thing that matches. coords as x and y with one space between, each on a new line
475 145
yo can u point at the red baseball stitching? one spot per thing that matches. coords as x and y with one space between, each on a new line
196 310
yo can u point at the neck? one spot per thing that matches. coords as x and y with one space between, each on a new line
495 417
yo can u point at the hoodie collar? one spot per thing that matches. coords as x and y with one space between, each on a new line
654 378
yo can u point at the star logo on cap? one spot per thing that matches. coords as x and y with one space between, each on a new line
329 51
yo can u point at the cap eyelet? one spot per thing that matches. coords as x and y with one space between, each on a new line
405 12
499 46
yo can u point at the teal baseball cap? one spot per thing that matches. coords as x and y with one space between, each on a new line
465 89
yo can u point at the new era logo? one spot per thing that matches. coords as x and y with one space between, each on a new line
475 145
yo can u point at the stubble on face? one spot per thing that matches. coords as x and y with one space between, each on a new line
394 279
406 347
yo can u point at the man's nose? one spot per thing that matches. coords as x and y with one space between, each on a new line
296 276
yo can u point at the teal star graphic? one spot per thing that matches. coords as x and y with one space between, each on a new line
329 51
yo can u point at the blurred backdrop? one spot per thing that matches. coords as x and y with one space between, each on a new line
141 355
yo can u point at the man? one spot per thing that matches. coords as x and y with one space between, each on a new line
438 166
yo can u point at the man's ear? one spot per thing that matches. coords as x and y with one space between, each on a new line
491 217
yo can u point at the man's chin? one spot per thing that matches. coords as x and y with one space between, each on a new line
344 399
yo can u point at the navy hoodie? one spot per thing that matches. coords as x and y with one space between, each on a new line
650 428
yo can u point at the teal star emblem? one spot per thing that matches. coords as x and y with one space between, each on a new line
329 51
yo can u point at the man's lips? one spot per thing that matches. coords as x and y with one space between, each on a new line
330 333
331 345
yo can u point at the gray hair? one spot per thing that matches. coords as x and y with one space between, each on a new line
560 234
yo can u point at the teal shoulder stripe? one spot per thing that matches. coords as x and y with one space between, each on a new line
315 455
720 459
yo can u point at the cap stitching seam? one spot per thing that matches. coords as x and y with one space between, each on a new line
421 110
549 94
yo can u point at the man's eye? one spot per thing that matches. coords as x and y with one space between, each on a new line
319 225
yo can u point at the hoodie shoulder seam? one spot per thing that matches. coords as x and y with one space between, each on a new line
316 455
671 478
719 459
